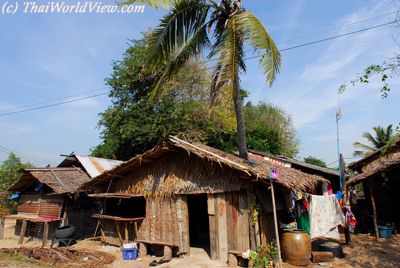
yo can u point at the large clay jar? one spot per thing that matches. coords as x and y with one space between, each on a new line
296 247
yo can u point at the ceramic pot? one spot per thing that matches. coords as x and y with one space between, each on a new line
296 247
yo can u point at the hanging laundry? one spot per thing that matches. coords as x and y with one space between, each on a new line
303 223
350 220
325 216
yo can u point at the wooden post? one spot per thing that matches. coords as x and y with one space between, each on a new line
142 250
23 230
136 229
278 244
45 234
126 233
343 176
345 197
374 214
222 228
119 233
167 252
252 229
212 226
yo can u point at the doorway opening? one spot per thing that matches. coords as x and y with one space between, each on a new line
199 228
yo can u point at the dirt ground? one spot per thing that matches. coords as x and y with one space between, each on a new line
364 252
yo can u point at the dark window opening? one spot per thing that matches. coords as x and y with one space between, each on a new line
199 230
134 207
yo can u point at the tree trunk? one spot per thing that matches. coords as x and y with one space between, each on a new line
241 128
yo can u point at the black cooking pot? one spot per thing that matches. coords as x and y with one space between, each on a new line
65 231
333 247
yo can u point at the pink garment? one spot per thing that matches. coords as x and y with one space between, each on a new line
330 191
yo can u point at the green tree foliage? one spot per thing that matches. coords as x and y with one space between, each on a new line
9 174
382 136
314 161
190 27
133 123
270 129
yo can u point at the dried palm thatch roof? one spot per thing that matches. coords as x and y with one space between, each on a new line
375 163
312 169
253 169
394 145
60 180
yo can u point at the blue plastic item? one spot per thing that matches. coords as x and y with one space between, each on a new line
129 253
385 231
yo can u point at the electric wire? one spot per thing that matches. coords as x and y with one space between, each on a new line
211 67
52 100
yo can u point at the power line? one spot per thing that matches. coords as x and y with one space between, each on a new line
208 68
323 31
24 155
60 98
316 41
338 27
54 104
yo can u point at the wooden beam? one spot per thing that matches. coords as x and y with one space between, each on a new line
45 234
23 230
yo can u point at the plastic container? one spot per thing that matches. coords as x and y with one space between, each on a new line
129 253
385 231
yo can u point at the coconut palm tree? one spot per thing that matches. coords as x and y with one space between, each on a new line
383 136
194 26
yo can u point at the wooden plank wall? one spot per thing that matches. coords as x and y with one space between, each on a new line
222 228
229 223
212 219
166 221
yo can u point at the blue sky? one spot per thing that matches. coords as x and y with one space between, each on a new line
48 56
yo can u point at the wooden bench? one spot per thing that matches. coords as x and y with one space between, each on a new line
168 247
235 259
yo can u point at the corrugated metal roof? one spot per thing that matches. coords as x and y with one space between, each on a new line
95 166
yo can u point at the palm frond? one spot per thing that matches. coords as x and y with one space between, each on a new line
151 3
192 48
364 146
256 34
175 29
371 139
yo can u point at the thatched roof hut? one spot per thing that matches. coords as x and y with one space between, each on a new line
46 201
379 173
60 180
376 162
208 163
181 194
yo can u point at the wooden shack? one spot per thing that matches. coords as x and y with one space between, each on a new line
47 201
379 175
182 194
